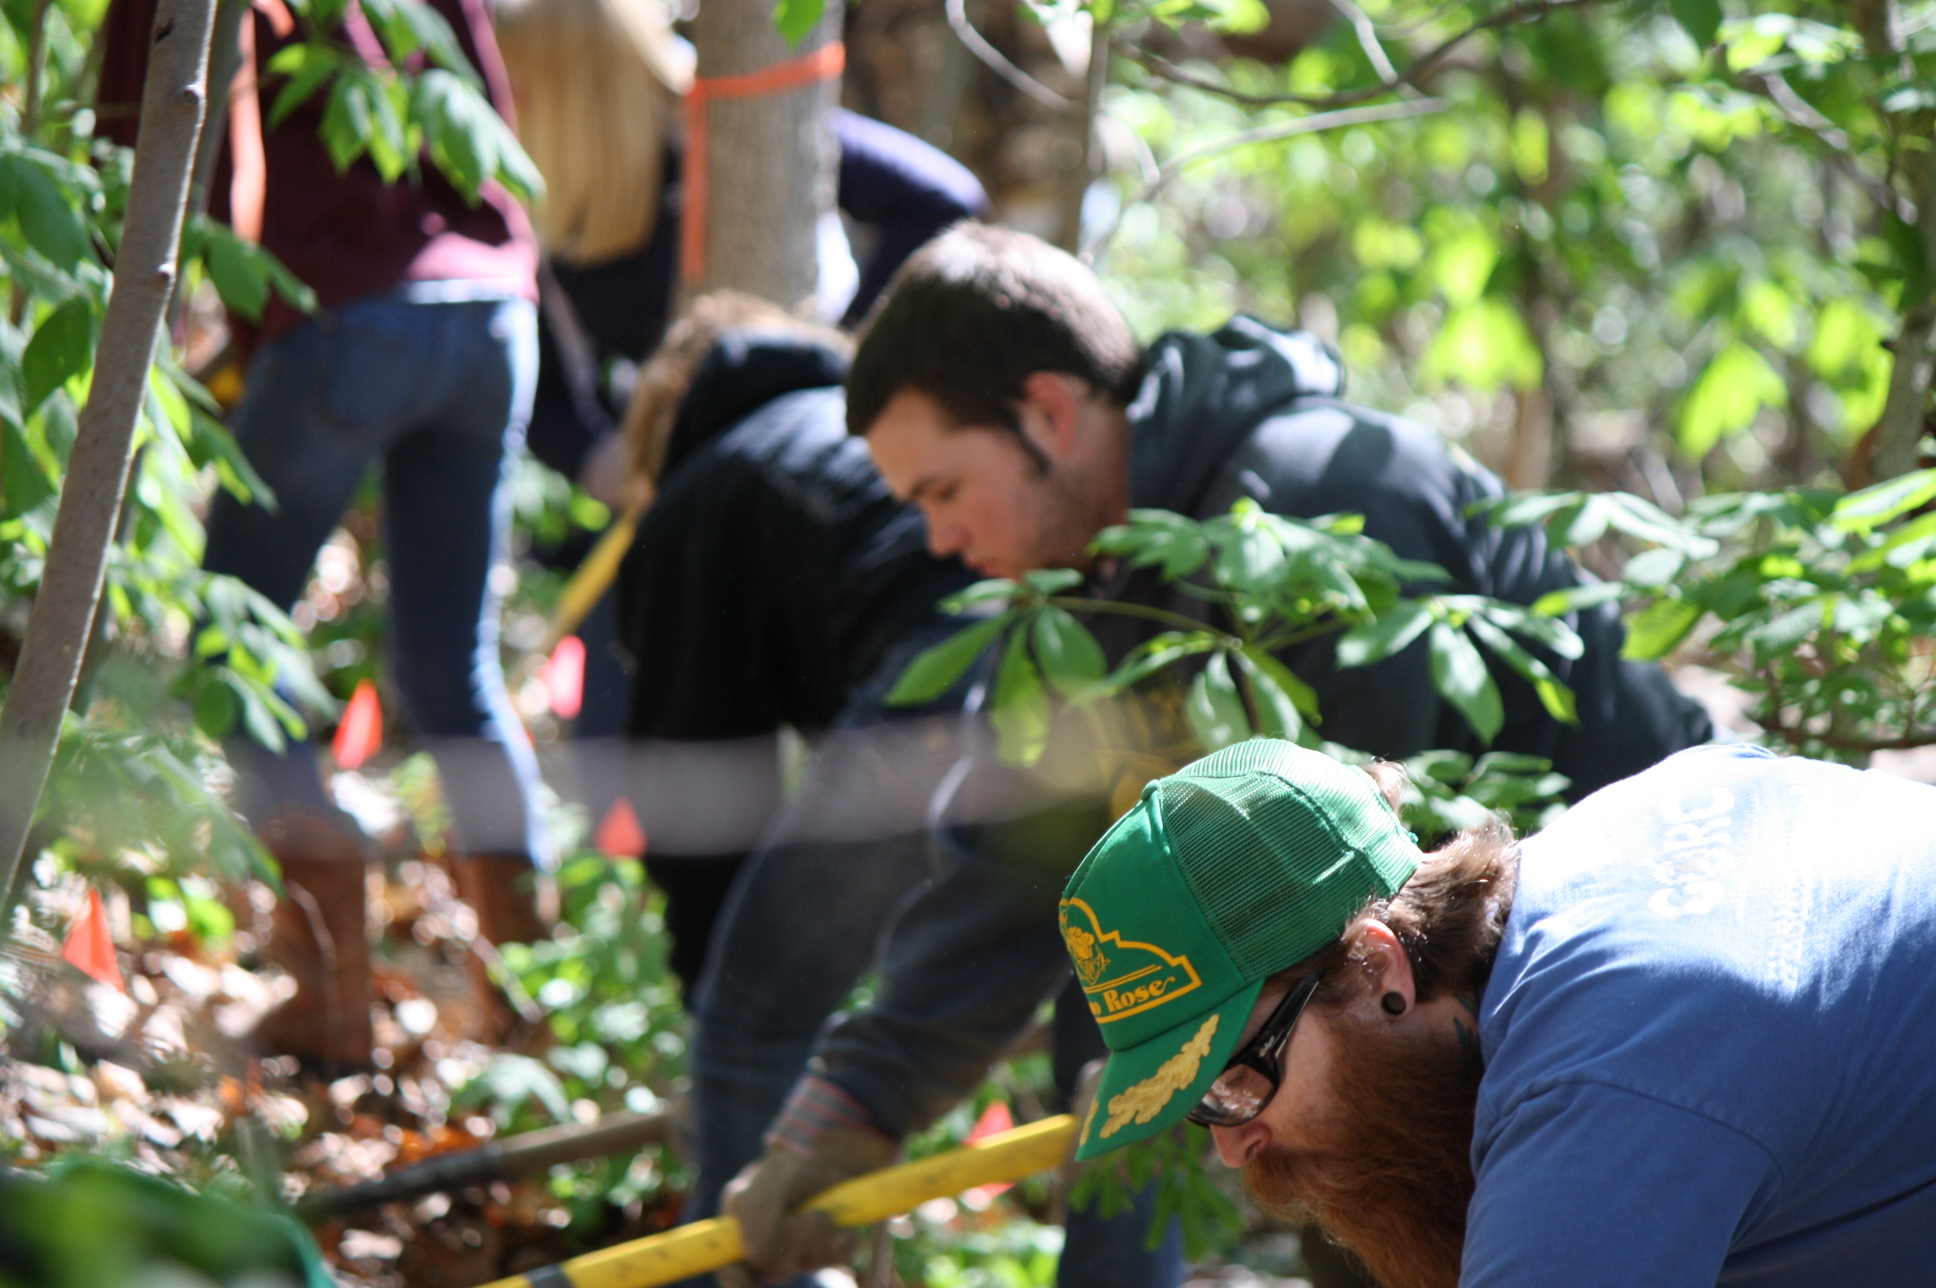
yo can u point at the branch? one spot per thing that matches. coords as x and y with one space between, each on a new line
36 70
1077 604
1799 113
1368 41
1313 124
1162 67
980 48
97 473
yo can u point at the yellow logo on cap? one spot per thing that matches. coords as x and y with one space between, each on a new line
1130 979
1144 1100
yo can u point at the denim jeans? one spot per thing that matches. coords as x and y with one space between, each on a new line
803 924
438 393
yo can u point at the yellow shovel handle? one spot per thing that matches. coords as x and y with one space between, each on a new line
593 578
707 1245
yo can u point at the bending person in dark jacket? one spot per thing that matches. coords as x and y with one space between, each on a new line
999 389
775 580
772 575
598 84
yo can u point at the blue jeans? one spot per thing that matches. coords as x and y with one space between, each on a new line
439 393
803 924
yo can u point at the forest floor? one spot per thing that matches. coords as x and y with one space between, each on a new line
160 1074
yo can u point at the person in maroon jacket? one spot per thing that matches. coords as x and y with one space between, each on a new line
421 357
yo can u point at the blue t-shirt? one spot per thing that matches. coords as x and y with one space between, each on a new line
1710 1037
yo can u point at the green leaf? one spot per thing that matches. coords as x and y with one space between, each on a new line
243 286
1872 507
1070 656
215 709
49 213
1554 695
1155 653
1214 707
1656 629
1282 700
1176 544
1654 568
1052 581
12 344
996 590
307 67
934 671
62 346
346 121
467 139
1462 679
1543 629
794 19
1786 632
1727 398
1380 638
1701 19
1021 712
1582 523
406 27
1484 345
1249 555
1555 603
24 484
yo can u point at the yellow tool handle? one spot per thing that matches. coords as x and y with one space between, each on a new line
593 578
707 1245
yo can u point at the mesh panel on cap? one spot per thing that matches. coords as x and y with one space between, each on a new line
1238 851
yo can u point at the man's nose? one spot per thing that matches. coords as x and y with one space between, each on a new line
1238 1145
944 539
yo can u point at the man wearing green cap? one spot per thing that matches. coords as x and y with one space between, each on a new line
1680 1038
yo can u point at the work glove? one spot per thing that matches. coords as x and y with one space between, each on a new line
779 1239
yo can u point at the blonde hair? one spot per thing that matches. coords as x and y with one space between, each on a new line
596 82
664 379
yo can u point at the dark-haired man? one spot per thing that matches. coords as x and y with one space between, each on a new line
1667 1041
999 389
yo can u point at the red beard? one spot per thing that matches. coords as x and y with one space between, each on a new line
1394 1185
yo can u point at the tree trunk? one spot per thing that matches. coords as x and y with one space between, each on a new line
1085 161
1905 415
97 473
770 159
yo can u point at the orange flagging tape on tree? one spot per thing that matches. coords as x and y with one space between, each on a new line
823 64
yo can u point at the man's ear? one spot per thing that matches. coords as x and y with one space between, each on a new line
1387 968
1051 413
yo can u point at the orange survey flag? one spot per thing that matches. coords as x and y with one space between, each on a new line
620 835
994 1119
563 677
89 948
361 733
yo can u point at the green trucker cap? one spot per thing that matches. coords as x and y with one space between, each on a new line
1224 873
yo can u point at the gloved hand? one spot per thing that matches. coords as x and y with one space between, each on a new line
781 1241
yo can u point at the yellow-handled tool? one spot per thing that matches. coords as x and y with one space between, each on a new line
593 578
707 1245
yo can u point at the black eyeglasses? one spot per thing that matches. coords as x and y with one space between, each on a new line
1251 1078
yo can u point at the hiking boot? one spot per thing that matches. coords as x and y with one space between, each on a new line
319 934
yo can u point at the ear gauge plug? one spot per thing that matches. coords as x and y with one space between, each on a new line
1392 1003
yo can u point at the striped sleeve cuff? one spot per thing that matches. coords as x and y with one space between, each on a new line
814 1106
